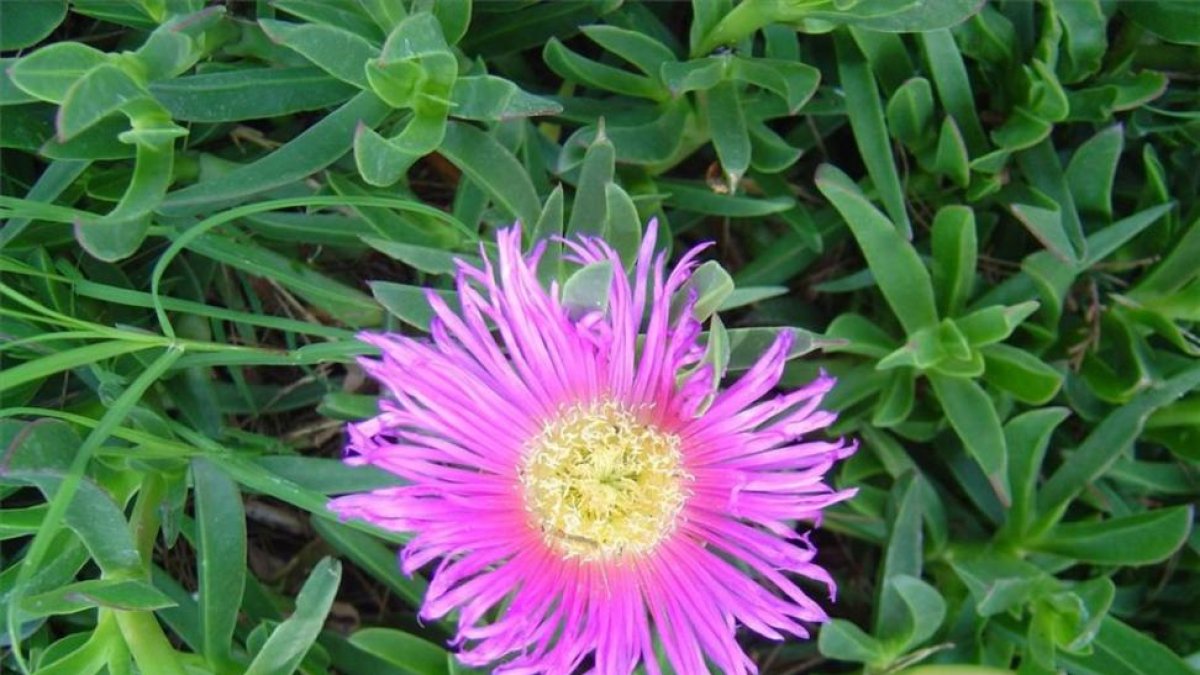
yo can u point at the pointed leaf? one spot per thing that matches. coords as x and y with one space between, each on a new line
291 640
954 251
974 418
1140 539
897 268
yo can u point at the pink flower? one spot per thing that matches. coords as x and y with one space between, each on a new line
589 495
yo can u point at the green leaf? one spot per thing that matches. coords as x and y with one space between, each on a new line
865 110
842 640
590 209
1084 40
952 341
925 611
45 444
325 474
656 143
122 594
49 72
15 376
1140 539
572 66
1023 129
92 515
483 97
249 94
119 233
727 122
177 44
1051 279
950 158
770 152
623 224
1108 440
902 557
221 558
380 161
1046 225
339 13
337 51
1025 376
502 33
953 86
319 146
1176 269
374 558
493 168
454 16
694 75
920 17
257 477
691 197
101 91
348 304
423 258
863 337
99 142
792 81
291 640
954 244
398 83
711 284
643 51
1043 168
897 399
1095 600
587 290
888 56
910 113
1120 646
549 225
995 323
746 345
392 223
976 422
407 652
24 23
1000 583
1105 242
407 303
10 93
1172 20
923 350
1047 99
716 356
897 268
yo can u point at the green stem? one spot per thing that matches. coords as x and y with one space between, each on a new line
149 646
147 517
61 500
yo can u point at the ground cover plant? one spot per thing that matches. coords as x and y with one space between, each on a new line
980 217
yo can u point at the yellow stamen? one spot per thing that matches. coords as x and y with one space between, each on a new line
602 484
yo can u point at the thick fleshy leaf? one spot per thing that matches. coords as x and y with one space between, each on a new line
973 416
24 23
1131 540
292 639
897 268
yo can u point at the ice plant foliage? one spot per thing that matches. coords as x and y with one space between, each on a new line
589 499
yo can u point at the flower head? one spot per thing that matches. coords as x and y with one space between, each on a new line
588 496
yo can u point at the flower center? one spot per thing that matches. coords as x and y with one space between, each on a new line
602 484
